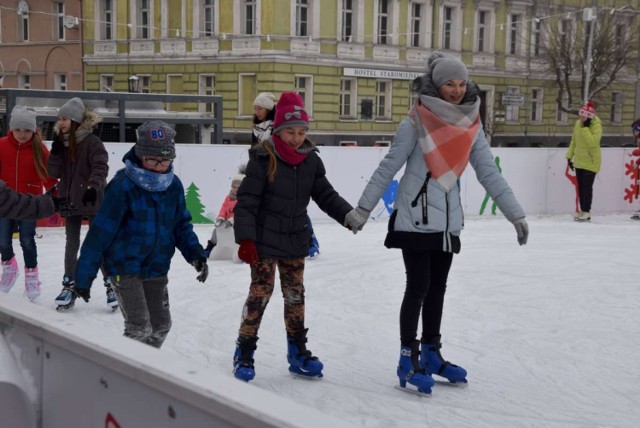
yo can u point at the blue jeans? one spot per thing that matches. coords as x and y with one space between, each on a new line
27 229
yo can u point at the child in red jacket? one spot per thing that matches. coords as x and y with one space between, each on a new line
225 215
23 159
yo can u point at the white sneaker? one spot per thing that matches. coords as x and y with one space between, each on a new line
577 215
9 274
31 283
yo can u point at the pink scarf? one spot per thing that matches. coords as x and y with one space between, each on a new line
287 153
446 133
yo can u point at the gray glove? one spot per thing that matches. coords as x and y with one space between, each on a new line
356 218
522 229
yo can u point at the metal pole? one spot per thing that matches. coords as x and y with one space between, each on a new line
589 15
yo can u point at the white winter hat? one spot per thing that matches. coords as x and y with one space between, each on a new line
265 100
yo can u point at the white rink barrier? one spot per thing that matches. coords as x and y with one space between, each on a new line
55 373
538 176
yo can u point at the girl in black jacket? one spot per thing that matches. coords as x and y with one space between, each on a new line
283 174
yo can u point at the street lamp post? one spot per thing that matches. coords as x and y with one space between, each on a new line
588 15
134 83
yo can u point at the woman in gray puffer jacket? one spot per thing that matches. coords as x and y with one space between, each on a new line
442 135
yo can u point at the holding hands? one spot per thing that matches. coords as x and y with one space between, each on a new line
248 252
356 219
522 229
202 268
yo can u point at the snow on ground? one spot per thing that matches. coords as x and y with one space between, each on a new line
548 332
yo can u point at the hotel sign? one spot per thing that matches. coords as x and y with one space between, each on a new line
380 74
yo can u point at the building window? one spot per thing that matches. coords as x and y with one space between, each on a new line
24 81
561 115
144 84
106 20
246 94
383 99
447 27
565 33
536 105
417 16
106 83
383 22
144 19
60 81
303 85
348 98
347 20
616 107
481 45
536 37
208 18
515 29
24 27
207 87
302 18
59 16
249 16
512 111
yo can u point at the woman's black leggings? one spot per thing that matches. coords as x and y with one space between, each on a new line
427 273
585 188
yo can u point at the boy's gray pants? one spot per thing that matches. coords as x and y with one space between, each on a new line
145 306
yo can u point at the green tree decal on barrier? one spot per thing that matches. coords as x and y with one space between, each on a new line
194 205
487 197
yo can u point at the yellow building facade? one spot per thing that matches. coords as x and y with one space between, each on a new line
352 60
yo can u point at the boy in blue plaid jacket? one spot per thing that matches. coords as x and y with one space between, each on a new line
141 222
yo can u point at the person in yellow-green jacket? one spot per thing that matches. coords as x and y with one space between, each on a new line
584 156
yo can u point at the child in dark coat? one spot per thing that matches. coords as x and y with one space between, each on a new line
143 219
283 174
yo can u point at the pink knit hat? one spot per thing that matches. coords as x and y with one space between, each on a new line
290 112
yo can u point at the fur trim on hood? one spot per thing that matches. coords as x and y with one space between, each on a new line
90 120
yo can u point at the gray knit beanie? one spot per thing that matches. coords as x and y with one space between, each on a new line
23 118
444 68
155 138
73 109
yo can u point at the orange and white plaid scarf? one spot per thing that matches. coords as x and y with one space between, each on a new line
446 133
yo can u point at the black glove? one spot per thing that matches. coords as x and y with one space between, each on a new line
83 293
90 196
201 266
587 122
56 146
56 203
570 163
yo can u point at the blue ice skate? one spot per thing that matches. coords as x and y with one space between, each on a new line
301 361
243 368
314 248
409 370
432 362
